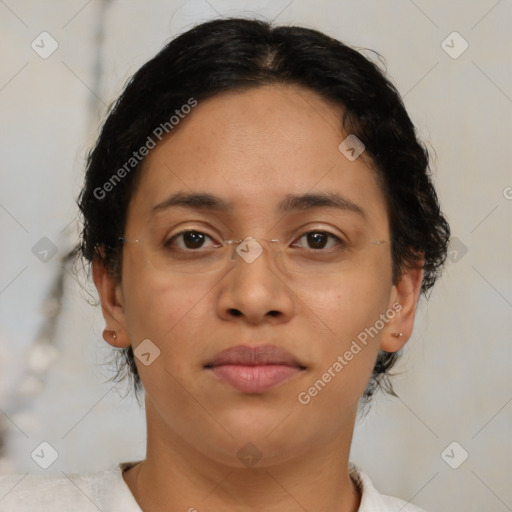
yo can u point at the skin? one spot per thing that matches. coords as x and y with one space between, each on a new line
253 148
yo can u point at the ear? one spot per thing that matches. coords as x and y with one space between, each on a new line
403 300
111 298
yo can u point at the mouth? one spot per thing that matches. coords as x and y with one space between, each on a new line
254 369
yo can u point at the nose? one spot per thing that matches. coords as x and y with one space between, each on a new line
253 289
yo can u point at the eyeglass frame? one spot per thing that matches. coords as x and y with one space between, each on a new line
238 241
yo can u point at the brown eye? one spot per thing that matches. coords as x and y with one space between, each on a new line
317 240
191 240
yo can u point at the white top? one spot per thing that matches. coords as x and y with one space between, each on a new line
107 491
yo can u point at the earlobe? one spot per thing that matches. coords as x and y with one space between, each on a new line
404 301
112 307
112 338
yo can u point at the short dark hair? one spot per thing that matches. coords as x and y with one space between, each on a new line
234 54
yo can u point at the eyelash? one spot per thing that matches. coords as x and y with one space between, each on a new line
168 243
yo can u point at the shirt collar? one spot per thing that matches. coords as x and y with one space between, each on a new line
123 499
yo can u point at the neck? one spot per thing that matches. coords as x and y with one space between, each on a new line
176 476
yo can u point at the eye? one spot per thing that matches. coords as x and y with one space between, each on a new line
319 239
190 240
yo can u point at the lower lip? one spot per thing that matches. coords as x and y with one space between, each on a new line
255 379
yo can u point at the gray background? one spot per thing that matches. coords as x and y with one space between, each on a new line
455 383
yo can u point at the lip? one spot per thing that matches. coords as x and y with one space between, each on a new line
254 369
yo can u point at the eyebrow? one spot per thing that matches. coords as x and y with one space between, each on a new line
292 202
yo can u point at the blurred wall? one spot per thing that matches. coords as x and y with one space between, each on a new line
445 443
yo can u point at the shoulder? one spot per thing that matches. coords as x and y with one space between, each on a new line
373 501
62 492
29 492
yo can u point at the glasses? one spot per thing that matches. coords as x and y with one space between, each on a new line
194 258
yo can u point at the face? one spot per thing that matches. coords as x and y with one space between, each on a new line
254 151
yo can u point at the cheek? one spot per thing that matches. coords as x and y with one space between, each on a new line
351 314
352 300
171 316
159 308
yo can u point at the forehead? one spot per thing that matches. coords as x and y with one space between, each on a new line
253 149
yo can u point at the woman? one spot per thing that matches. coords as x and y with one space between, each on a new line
260 222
